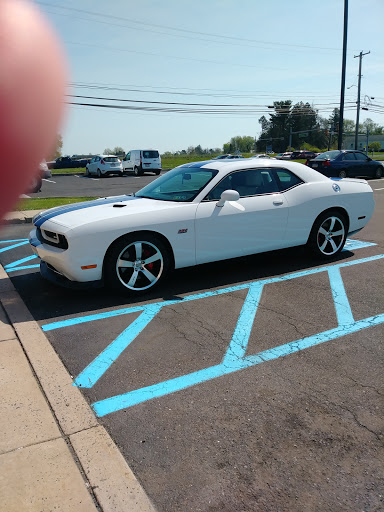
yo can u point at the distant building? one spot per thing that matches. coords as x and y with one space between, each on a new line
349 141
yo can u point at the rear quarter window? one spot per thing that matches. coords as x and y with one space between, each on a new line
287 179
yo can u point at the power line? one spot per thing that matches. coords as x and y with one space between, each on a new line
179 32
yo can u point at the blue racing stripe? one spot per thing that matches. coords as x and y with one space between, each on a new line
54 212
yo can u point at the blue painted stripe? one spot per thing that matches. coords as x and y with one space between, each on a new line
352 245
138 396
340 299
13 246
92 373
9 241
238 346
21 268
18 262
124 311
197 165
60 210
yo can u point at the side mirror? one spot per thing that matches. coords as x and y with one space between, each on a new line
228 195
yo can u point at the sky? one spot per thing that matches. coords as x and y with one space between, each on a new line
152 56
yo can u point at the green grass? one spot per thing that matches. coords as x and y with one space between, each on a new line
49 202
75 170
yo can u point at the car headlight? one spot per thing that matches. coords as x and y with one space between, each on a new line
52 238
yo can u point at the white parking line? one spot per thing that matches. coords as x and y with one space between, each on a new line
76 176
50 181
95 179
378 189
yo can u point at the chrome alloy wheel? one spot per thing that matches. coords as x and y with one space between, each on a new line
139 265
330 236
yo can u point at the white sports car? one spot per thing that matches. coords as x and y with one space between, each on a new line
198 213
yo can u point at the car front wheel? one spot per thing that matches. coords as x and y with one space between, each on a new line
379 172
136 263
328 234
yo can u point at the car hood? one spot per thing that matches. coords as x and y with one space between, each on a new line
78 214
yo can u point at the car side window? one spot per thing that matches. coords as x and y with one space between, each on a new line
286 179
349 156
361 156
250 182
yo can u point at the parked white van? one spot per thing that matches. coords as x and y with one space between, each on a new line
141 160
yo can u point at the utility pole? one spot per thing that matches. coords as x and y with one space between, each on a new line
361 54
343 66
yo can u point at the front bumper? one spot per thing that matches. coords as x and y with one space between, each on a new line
54 276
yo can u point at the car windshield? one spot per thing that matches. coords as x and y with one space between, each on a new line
110 159
328 155
180 185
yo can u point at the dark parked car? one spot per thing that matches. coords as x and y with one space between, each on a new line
67 162
346 163
302 155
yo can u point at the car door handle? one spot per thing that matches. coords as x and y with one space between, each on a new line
277 202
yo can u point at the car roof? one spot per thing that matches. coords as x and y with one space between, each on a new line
225 166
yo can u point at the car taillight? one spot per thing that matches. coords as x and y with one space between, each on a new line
327 163
102 162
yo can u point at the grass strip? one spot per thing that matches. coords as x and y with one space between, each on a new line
49 202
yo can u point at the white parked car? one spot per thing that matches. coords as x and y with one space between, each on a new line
198 213
140 161
37 180
104 165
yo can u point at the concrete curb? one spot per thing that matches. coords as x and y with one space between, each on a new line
104 473
22 217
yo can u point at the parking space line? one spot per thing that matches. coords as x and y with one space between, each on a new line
18 262
116 403
50 181
92 373
378 189
234 359
3 249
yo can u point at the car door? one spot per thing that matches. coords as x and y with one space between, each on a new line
127 162
363 165
350 164
255 223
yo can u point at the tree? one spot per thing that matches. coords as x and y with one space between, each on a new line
243 144
374 146
373 128
118 151
107 151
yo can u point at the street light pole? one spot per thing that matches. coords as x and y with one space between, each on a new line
343 66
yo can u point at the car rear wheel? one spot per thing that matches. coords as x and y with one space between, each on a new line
157 173
137 171
136 263
343 173
328 234
379 172
99 173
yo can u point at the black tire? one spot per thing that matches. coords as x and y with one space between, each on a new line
378 172
99 175
86 172
137 277
343 173
157 173
35 185
328 234
138 171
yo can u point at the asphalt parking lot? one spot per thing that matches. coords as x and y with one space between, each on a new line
253 384
78 185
